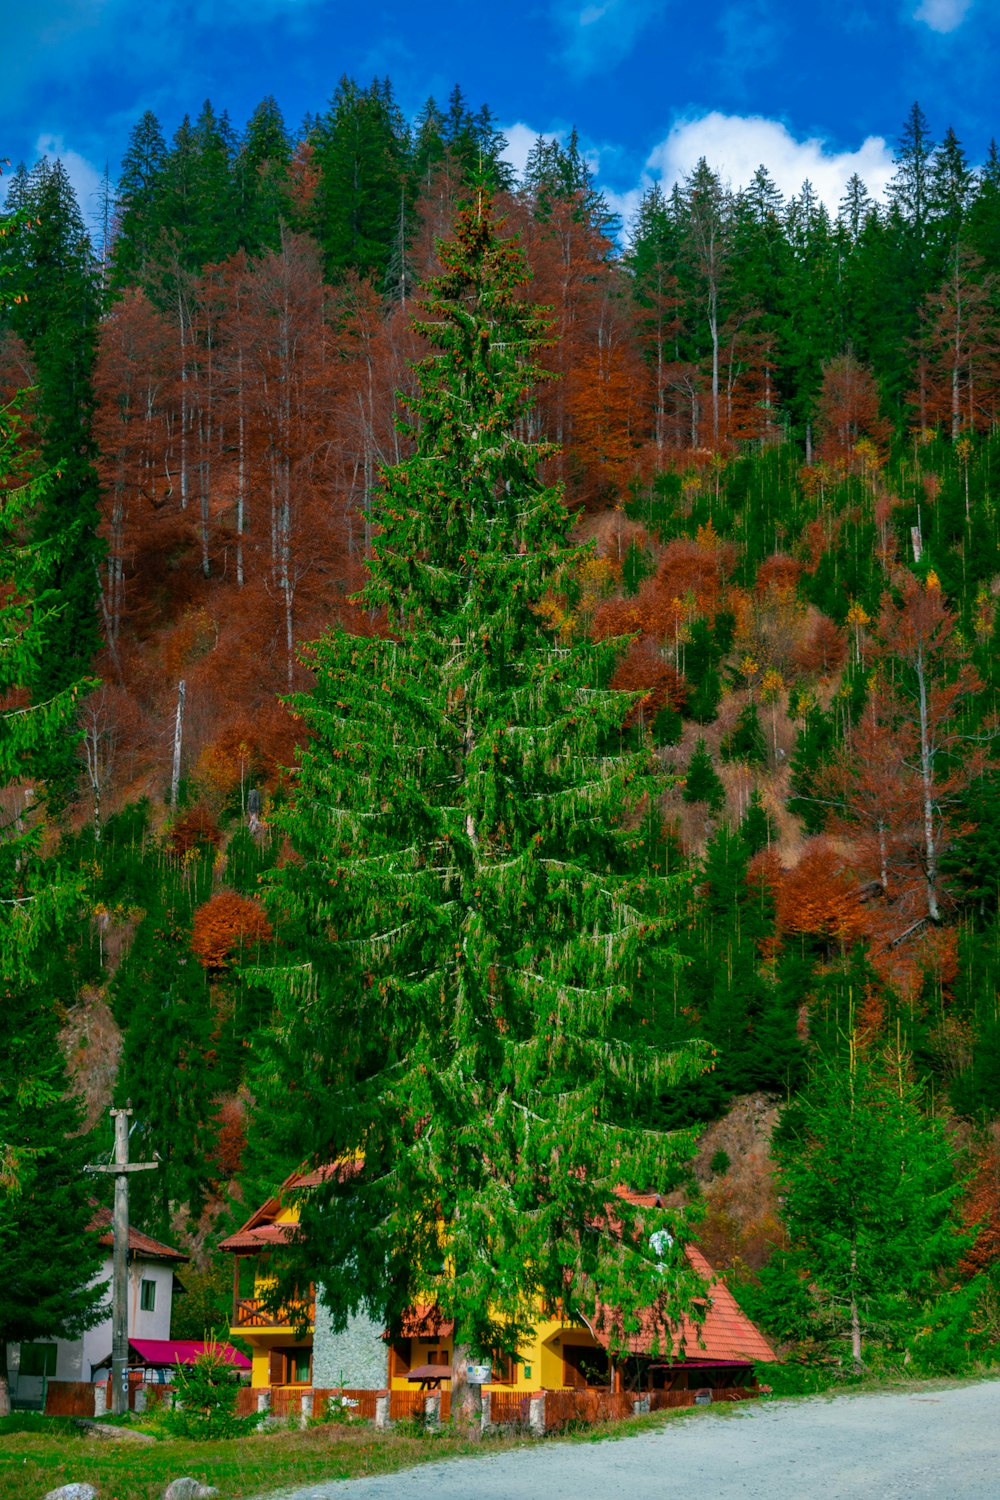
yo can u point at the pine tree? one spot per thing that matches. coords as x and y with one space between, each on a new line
46 1259
869 1192
362 146
757 826
261 179
137 218
701 782
461 884
746 741
57 318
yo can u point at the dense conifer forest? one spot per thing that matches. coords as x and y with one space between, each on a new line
774 431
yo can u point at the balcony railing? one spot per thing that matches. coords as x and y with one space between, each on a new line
253 1312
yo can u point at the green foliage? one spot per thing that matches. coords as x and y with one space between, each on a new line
466 895
869 1193
757 826
206 1393
701 780
746 740
719 1163
57 318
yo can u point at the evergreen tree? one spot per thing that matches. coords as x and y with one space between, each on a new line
462 886
47 1261
701 781
746 741
261 178
362 146
757 826
138 221
868 1192
57 318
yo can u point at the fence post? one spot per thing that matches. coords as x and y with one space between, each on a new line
263 1401
486 1420
536 1415
432 1411
382 1411
100 1399
140 1398
640 1405
306 1407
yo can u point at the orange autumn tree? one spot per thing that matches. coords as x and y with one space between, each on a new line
225 922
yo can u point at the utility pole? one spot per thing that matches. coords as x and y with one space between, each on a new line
120 1169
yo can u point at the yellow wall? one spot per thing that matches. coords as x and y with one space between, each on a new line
542 1355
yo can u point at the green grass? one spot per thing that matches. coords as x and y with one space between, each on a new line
38 1454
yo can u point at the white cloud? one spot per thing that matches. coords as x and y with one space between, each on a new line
83 175
599 36
942 15
520 139
735 145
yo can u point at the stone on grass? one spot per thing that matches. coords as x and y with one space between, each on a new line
189 1489
73 1492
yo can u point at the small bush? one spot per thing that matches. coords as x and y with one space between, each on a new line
207 1391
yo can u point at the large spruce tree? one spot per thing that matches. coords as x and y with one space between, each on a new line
47 1259
56 315
463 889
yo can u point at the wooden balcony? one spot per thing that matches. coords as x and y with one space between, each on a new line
253 1312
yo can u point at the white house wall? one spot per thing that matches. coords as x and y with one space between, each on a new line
75 1358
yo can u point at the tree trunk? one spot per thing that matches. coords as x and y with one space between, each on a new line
4 1381
927 788
175 775
466 1399
855 1316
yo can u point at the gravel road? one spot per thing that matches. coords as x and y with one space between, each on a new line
913 1445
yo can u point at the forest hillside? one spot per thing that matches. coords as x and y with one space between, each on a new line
775 432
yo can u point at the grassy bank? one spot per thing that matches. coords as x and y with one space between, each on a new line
38 1454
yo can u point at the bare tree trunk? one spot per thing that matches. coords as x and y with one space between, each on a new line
855 1316
927 788
241 480
175 778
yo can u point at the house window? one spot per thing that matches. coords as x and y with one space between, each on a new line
37 1359
147 1296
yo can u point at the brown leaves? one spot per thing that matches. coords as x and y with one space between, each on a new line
226 922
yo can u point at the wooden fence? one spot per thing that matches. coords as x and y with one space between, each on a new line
69 1398
509 1408
286 1401
671 1400
563 1407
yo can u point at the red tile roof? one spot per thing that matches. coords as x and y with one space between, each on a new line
138 1243
727 1335
426 1322
259 1237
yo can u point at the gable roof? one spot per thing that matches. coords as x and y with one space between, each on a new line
139 1244
727 1336
261 1230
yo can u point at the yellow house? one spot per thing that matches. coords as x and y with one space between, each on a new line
298 1347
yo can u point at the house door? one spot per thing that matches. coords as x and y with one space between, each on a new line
585 1367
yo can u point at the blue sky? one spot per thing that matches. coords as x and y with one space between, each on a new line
816 88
